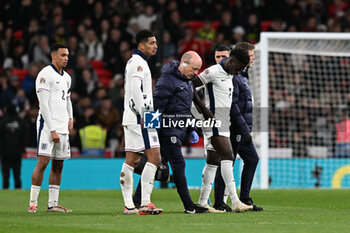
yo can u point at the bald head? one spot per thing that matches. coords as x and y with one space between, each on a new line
190 64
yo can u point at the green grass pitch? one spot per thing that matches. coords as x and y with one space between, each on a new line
101 211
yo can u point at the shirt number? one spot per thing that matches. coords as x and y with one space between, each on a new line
63 95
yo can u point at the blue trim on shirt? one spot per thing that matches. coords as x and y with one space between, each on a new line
146 138
141 54
223 66
56 69
212 105
138 119
41 126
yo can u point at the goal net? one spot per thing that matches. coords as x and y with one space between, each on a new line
301 88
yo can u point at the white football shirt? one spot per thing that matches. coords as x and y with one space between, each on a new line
137 68
218 93
58 85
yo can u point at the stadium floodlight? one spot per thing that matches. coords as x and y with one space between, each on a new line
300 84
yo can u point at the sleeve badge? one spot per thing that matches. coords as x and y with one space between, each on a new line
42 80
139 69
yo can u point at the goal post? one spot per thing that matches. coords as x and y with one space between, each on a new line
282 59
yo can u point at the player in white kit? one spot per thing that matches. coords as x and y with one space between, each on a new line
218 99
55 119
138 98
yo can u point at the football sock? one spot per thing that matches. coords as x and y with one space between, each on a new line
227 175
53 195
126 183
208 177
147 182
226 195
34 193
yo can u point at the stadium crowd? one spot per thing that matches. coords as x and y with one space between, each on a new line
100 35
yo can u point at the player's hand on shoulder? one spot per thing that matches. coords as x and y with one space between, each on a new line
55 137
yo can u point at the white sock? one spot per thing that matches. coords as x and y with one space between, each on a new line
127 183
225 195
227 175
34 193
208 176
147 182
53 195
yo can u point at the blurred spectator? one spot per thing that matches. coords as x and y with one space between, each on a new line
98 14
115 86
311 25
145 19
125 52
21 103
100 94
93 139
337 7
169 48
73 52
107 114
207 31
7 91
12 146
195 9
103 31
111 49
77 75
226 25
190 42
253 29
30 121
28 84
175 26
118 7
342 148
87 85
277 25
133 28
26 9
238 35
30 32
91 46
42 51
57 27
19 59
7 42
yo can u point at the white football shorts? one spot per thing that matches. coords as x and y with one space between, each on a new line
56 151
137 139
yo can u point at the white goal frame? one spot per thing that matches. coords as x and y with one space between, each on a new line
264 83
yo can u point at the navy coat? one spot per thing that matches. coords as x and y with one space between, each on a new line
242 105
173 97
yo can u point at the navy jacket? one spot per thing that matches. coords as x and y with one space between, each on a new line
242 105
173 95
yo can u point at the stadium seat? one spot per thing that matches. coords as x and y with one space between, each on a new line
97 65
104 76
18 35
264 25
20 73
196 24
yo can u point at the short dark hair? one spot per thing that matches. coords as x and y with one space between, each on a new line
245 45
241 55
222 47
55 47
143 35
